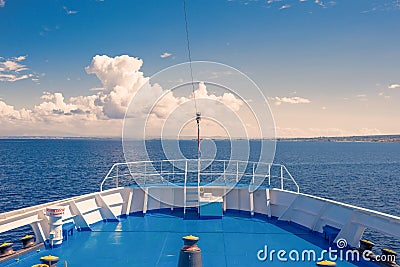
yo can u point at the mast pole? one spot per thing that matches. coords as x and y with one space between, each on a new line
198 114
198 118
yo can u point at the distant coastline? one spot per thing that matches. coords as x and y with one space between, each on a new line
366 138
57 138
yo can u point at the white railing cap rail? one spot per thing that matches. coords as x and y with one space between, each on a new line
182 171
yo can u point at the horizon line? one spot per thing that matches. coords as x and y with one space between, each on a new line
193 137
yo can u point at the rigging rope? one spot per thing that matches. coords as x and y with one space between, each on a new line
189 53
198 114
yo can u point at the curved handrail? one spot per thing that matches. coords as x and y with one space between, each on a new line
231 169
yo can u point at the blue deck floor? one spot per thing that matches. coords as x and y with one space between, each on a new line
155 240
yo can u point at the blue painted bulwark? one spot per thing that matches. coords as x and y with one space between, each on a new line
330 233
213 210
48 244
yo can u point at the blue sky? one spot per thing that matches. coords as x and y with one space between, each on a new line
327 67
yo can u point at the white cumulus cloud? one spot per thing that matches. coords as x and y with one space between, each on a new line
69 12
101 113
8 112
12 69
165 55
228 99
394 86
121 78
284 7
291 100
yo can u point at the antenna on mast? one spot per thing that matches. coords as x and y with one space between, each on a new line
198 119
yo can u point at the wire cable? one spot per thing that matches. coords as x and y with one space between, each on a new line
198 114
189 54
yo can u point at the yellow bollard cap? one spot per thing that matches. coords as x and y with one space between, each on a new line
27 237
367 242
5 244
191 237
326 263
390 251
49 258
40 265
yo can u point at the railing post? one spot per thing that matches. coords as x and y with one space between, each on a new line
282 177
184 188
252 179
198 172
161 177
269 175
224 172
107 176
186 166
293 180
116 182
173 170
145 172
237 171
211 172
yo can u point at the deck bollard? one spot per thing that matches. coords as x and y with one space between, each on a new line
190 254
28 241
6 249
50 260
390 256
366 245
326 263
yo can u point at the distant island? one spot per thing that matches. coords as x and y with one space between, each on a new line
367 138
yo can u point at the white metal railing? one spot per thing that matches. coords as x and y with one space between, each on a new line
193 171
184 188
